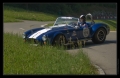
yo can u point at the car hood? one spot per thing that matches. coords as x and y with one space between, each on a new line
38 33
51 28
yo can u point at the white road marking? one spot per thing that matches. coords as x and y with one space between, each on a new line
113 31
43 25
22 28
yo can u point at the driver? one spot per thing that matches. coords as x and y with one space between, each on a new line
82 21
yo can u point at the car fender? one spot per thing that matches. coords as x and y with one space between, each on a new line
95 27
57 33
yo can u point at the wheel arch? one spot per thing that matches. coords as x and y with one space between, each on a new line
56 34
95 28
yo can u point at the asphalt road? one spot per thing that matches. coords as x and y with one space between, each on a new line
18 26
103 55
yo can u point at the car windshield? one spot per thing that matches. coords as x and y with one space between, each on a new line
65 20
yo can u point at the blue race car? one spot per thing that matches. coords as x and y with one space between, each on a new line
65 31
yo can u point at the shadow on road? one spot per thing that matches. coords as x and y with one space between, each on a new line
91 44
88 44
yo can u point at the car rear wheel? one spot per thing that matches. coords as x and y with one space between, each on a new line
99 36
59 40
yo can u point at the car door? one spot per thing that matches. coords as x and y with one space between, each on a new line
84 32
73 33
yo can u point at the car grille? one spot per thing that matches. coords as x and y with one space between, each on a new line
34 41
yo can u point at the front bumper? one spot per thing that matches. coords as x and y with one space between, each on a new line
35 42
32 41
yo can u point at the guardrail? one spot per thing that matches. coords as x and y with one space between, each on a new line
104 17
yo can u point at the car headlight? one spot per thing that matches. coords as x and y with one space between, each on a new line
44 38
23 35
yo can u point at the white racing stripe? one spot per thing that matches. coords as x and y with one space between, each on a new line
35 35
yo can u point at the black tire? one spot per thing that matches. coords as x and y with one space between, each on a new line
59 40
99 36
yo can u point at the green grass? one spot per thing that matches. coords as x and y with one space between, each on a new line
13 14
50 24
22 58
9 19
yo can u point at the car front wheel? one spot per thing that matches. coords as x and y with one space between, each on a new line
99 36
59 40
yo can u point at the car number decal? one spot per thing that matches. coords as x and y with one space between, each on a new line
86 32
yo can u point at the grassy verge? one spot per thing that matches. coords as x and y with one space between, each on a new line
9 19
12 14
50 24
21 58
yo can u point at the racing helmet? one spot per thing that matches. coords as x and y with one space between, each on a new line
82 17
